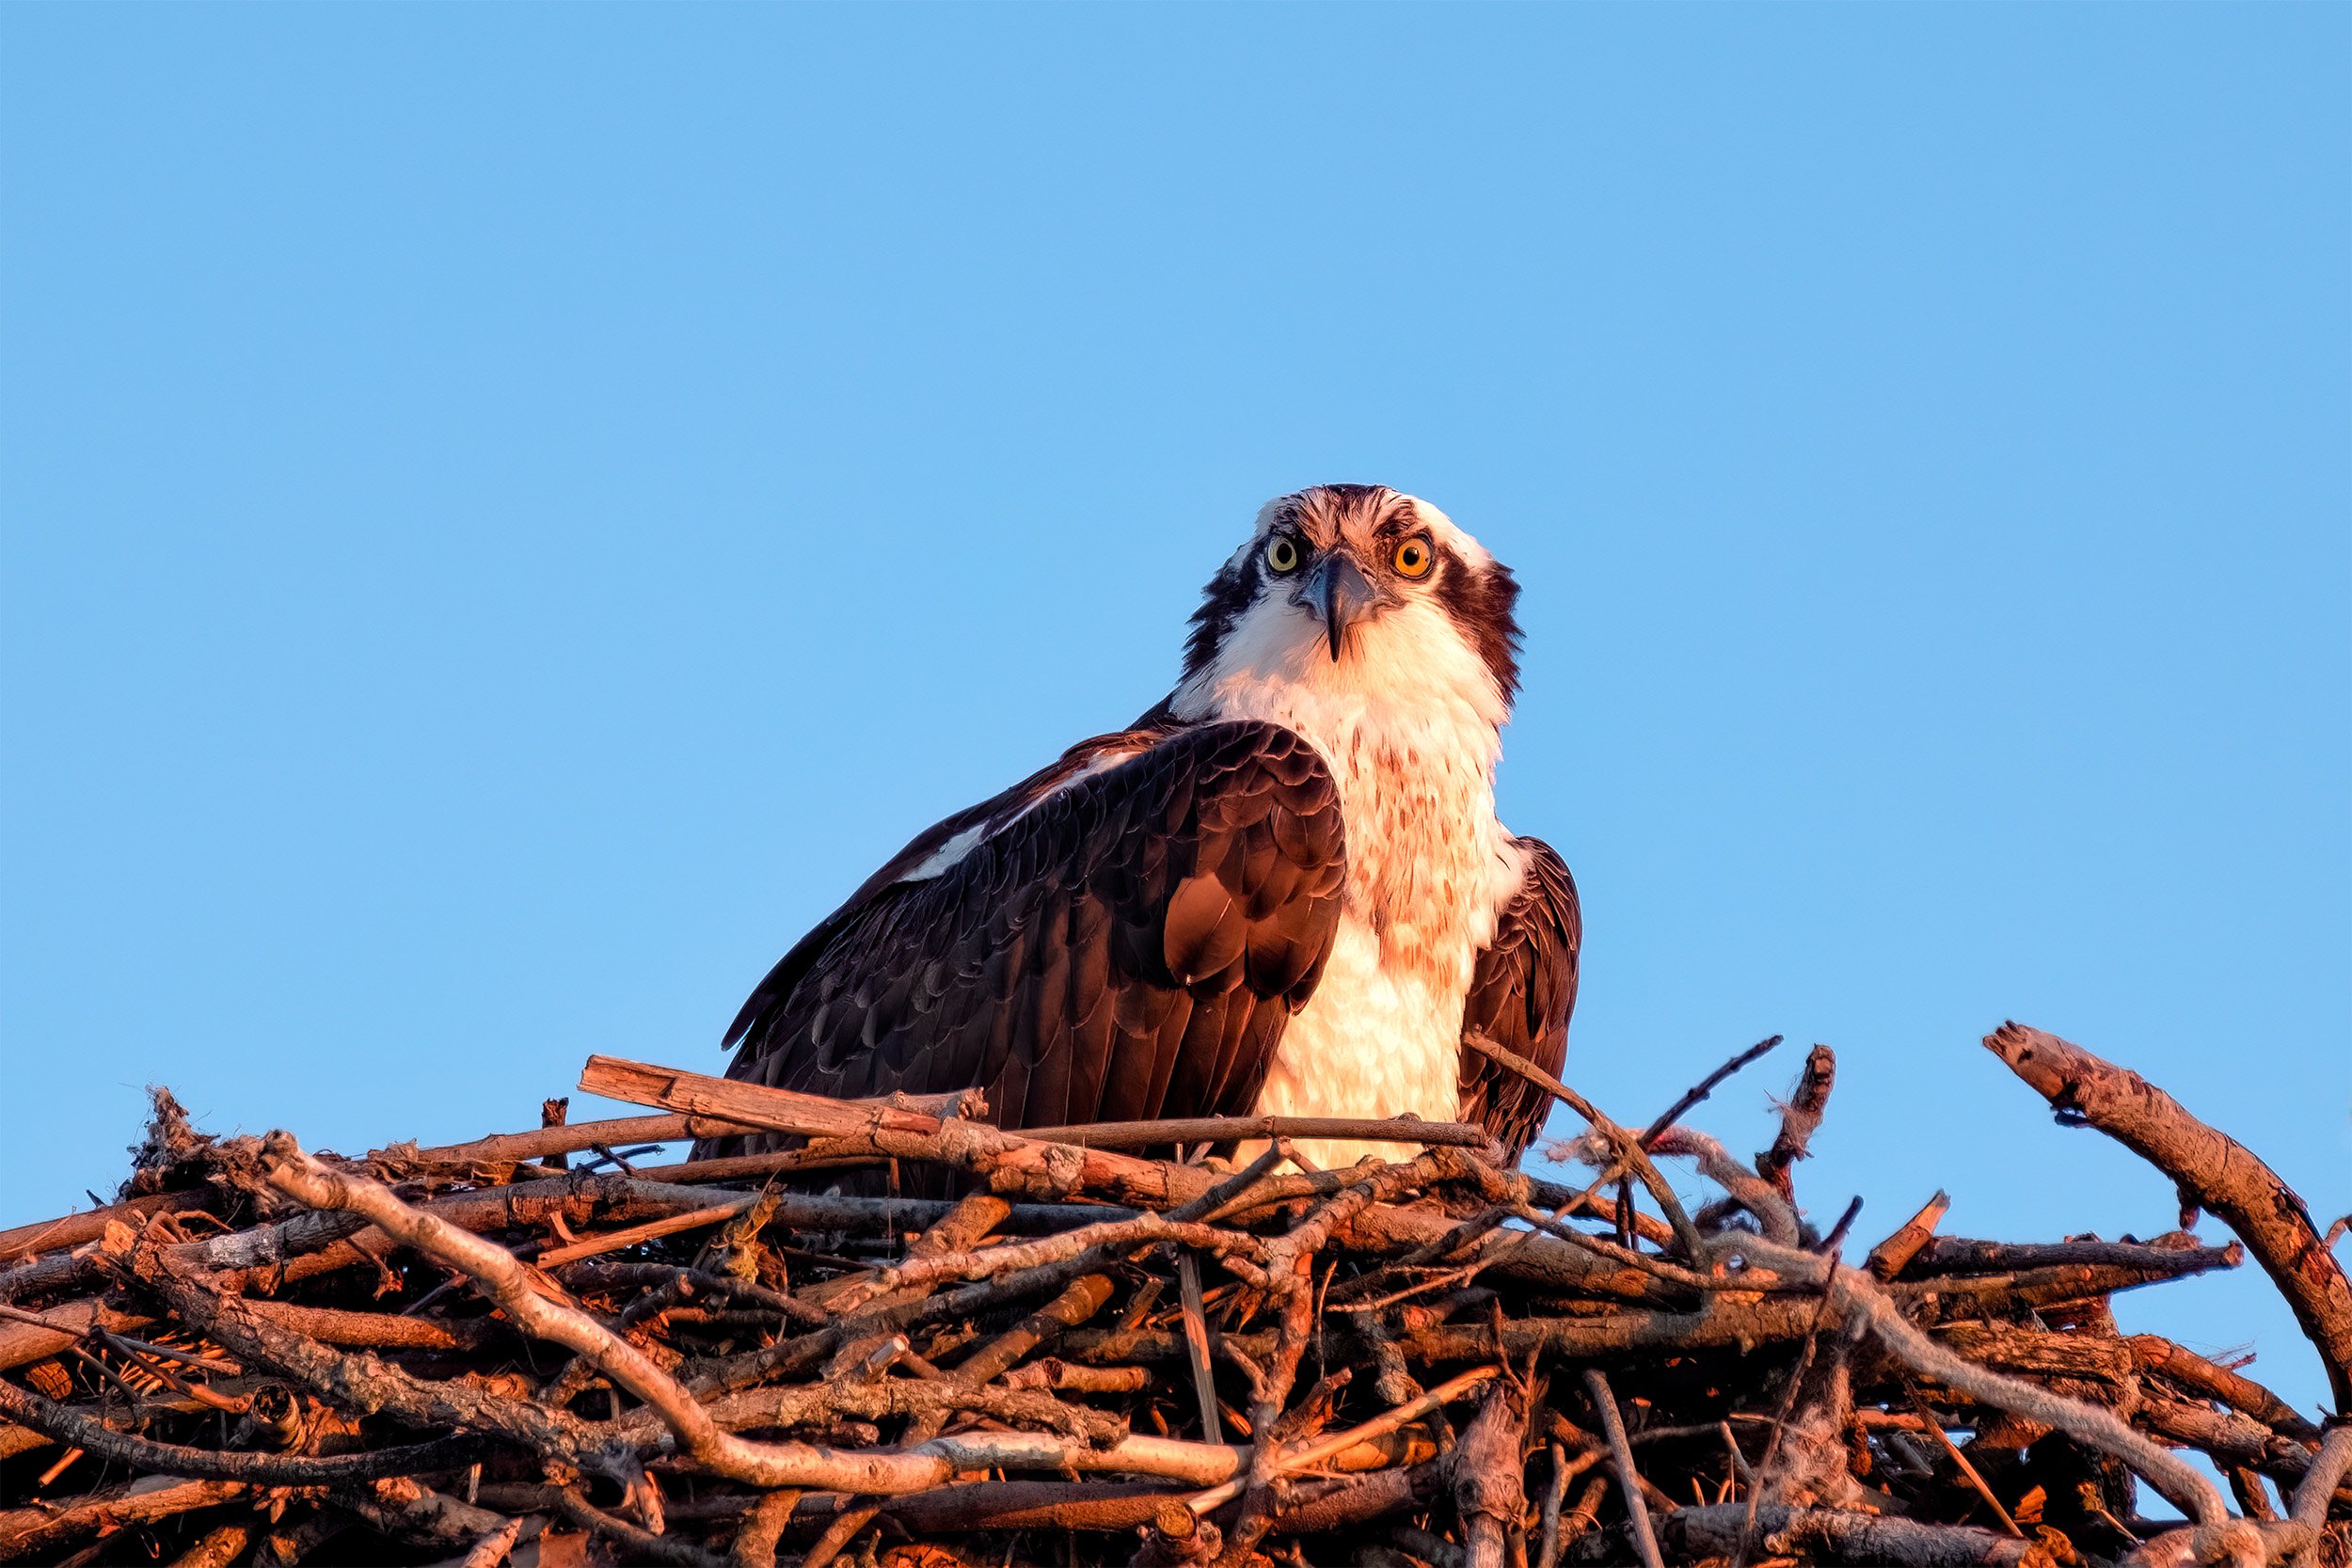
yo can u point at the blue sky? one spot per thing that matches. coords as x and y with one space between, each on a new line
510 512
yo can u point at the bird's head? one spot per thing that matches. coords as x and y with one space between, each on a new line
1358 589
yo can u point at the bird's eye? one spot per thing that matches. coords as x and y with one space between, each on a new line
1283 554
1413 557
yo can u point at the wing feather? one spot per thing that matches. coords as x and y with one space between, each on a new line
1130 943
1520 996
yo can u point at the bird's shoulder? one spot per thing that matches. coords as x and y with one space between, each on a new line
1546 892
1258 778
1521 995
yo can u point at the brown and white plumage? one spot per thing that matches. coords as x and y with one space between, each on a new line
1283 889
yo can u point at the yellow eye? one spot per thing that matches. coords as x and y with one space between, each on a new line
1283 554
1413 558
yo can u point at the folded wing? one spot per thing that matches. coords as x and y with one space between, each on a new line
1129 945
1520 996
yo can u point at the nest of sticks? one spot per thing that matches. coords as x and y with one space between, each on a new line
1111 1348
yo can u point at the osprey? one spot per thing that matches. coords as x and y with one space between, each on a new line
1283 890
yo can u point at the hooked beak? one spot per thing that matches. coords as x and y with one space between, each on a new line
1337 591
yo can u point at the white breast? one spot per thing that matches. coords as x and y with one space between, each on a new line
1429 869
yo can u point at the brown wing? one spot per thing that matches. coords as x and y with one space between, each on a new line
1130 946
1520 996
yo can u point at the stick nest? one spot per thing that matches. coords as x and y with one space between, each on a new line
1161 1343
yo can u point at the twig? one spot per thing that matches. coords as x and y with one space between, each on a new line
764 1464
1622 1144
1888 1258
1934 1428
1798 1120
1855 1291
1621 1455
2214 1170
1305 1454
1175 1130
1705 1086
1488 1497
1197 1345
67 1425
643 1546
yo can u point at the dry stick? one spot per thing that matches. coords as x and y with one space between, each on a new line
1197 1345
67 1425
363 1386
756 1541
2211 1168
69 1230
219 1547
2229 1439
1765 1474
1300 1456
1840 1535
514 1147
1010 1162
317 1243
989 1262
379 1330
765 1465
26 1530
1238 1191
962 1304
492 1548
643 1546
1750 1192
294 1540
1489 1497
409 1511
614 1240
1621 1455
1568 1201
1951 1450
1079 1301
1555 1495
1740 1471
1583 1516
507 1149
590 1278
926 1402
1623 1145
1799 1119
1320 1504
845 1524
1082 1298
2296 1539
1601 1245
1888 1258
1213 1129
59 1327
1291 1273
1853 1292
2194 1372
2308 1509
1704 1088
1949 1255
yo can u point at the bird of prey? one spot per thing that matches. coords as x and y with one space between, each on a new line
1283 890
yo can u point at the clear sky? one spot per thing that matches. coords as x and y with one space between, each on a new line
511 512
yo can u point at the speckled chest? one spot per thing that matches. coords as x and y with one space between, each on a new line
1423 843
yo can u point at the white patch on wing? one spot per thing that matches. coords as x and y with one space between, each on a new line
944 859
951 854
